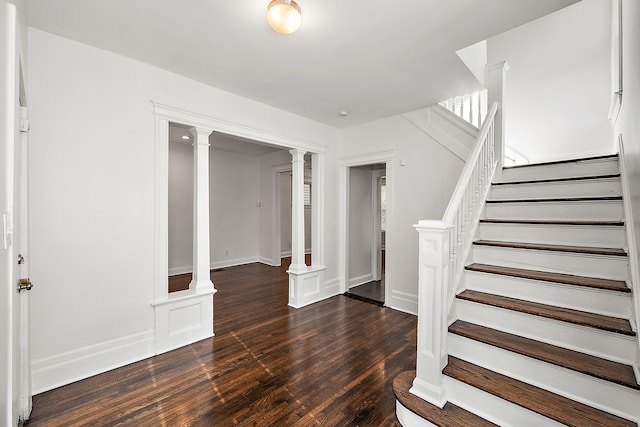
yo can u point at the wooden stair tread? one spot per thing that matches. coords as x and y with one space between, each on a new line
569 279
597 321
556 248
551 405
449 416
590 365
558 162
551 222
541 181
559 199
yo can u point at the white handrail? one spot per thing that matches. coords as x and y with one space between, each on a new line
444 246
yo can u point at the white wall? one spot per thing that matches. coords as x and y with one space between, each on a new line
557 95
92 151
419 190
180 208
360 225
628 124
234 217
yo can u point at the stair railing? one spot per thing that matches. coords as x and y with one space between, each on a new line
444 246
472 107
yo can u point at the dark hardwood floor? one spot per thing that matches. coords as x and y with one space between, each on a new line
328 364
372 292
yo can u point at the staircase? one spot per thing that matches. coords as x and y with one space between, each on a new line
541 332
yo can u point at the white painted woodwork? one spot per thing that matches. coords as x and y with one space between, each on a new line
443 248
604 344
601 394
591 265
408 418
201 280
598 210
568 169
604 187
601 236
634 270
445 127
493 408
497 85
601 301
297 212
433 306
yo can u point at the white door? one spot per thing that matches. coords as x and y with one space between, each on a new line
15 399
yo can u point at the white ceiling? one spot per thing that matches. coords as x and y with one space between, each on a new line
372 58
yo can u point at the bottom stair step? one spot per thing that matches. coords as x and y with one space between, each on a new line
553 406
449 416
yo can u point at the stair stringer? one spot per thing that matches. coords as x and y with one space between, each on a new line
632 250
447 129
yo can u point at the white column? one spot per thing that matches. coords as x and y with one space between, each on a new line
496 83
433 310
297 212
201 277
317 210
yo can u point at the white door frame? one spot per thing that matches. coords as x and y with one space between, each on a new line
376 241
386 157
276 216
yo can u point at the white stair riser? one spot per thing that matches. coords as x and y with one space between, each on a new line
573 235
557 210
493 408
599 301
562 170
604 344
601 266
613 398
583 188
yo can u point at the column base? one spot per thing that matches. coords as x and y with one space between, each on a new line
305 287
298 268
202 287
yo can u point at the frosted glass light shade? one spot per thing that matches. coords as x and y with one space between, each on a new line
284 16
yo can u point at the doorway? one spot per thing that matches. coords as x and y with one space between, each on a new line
366 235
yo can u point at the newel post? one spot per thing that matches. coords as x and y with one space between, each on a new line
433 309
496 84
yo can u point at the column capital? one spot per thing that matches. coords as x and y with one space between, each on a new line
297 155
499 66
200 135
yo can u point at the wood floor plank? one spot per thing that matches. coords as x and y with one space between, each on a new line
551 405
330 363
590 365
449 416
554 248
598 321
569 279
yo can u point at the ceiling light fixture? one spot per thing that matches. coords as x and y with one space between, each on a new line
284 16
186 137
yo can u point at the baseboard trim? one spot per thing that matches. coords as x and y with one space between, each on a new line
403 301
360 280
65 368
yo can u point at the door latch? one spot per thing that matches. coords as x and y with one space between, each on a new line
25 285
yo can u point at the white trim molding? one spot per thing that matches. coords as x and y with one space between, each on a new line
388 158
65 368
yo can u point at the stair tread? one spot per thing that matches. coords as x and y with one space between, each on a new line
569 279
572 178
449 416
551 222
558 199
557 162
597 367
557 248
551 405
583 318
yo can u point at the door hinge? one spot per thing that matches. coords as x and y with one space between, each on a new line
25 285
